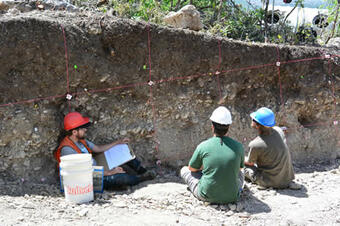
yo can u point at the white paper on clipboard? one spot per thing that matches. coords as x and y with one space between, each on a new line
118 155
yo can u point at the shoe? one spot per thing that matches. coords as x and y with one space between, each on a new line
260 187
148 175
294 186
141 170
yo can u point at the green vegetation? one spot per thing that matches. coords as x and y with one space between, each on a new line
333 9
225 18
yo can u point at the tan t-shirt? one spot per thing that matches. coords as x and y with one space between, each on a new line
271 155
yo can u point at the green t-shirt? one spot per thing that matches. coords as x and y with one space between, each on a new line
221 165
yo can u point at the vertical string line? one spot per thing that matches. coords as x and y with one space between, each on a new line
219 69
279 74
335 122
151 92
278 68
67 71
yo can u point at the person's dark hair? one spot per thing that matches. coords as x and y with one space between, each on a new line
220 130
83 126
263 129
69 133
65 133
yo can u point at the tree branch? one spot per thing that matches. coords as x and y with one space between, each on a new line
296 4
335 22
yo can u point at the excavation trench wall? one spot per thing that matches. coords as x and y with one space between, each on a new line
110 62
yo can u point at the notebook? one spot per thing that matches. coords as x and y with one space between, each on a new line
115 156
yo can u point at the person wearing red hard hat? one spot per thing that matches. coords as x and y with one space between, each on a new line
75 120
269 162
74 142
213 173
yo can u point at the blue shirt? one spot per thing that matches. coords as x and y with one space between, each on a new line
67 150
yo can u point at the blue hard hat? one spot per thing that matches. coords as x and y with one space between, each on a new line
264 116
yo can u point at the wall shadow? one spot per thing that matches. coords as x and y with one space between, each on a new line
16 189
301 193
317 166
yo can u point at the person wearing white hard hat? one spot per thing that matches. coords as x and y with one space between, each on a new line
269 162
213 171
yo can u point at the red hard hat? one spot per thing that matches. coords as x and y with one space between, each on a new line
73 120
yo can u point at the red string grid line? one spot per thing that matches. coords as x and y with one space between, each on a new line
67 71
151 83
337 131
32 100
279 75
161 81
319 124
219 68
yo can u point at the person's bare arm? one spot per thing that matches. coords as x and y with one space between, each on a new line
102 148
251 156
195 170
249 163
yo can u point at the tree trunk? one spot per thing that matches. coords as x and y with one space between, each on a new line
335 22
178 5
296 4
265 20
220 7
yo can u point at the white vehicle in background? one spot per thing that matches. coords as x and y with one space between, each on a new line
312 14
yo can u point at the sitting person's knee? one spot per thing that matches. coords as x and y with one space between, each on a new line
185 170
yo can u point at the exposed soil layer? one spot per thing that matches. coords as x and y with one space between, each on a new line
110 62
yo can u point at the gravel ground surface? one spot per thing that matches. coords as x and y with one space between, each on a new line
166 201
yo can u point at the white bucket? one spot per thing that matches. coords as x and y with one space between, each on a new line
85 165
76 158
78 185
77 177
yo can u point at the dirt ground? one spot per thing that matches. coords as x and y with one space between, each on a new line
166 201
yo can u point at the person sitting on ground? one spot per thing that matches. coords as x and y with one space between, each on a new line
269 162
74 142
214 169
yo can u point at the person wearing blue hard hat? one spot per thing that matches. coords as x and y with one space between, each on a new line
264 116
269 163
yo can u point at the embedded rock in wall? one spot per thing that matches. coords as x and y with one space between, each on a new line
334 42
187 17
110 64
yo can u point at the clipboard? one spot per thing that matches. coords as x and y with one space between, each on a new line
115 156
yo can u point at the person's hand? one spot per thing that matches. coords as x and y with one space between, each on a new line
117 170
123 141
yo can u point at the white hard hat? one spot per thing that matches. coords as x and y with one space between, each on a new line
221 115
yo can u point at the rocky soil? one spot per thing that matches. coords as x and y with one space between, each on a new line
166 201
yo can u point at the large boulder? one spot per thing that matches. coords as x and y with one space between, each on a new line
187 17
3 6
334 42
